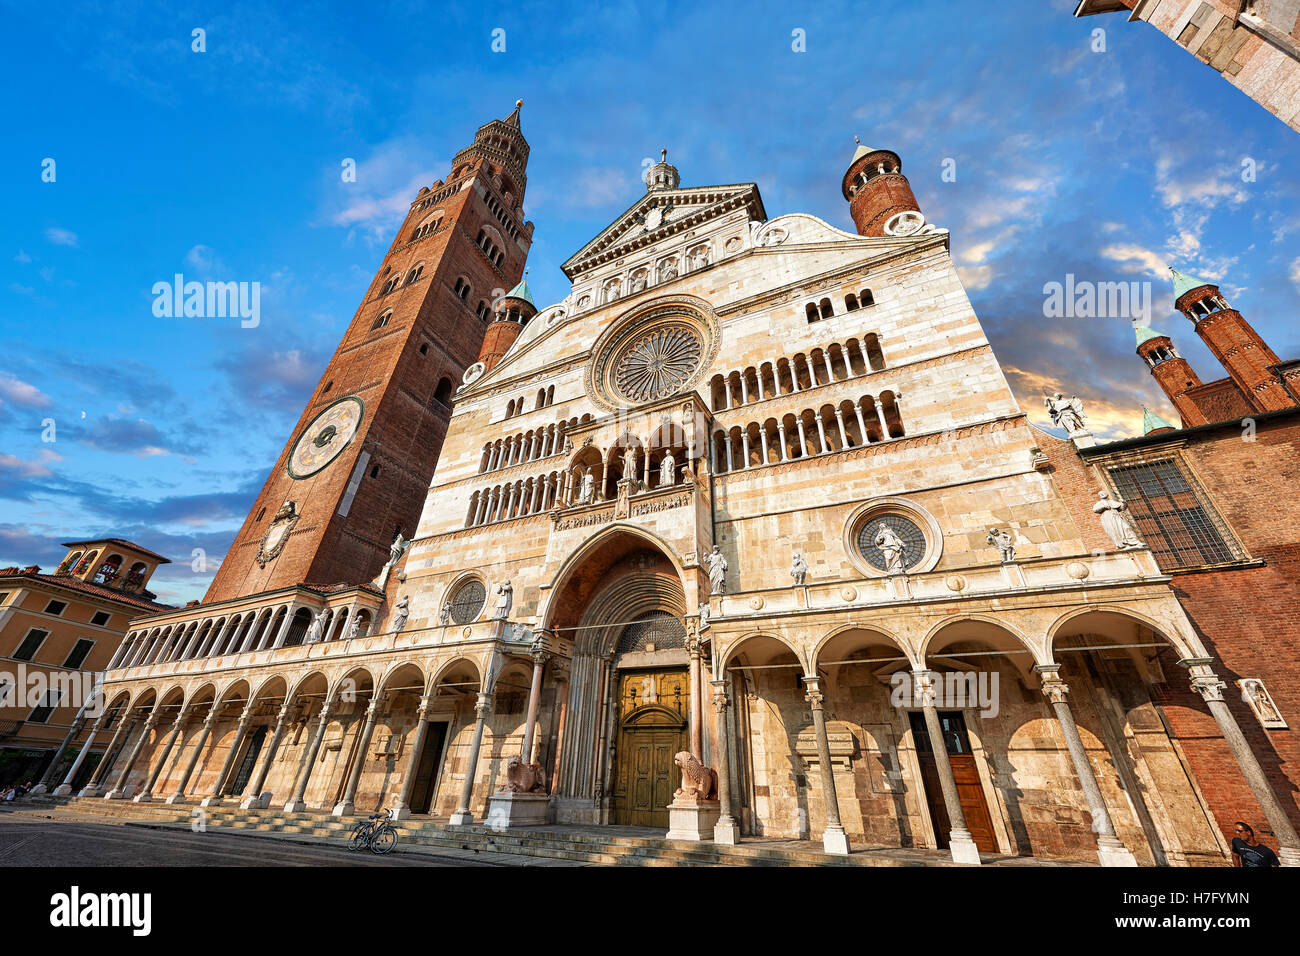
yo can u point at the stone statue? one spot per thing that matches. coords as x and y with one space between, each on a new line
638 282
698 781
1066 412
892 547
401 613
700 258
586 488
1000 539
668 470
629 464
799 570
505 599
397 549
717 571
704 615
354 629
523 777
317 629
444 616
667 270
1115 522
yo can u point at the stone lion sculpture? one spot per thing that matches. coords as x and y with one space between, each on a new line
524 777
698 781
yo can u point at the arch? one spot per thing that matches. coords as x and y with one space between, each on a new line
1106 616
449 667
314 677
400 674
353 673
836 635
442 395
757 637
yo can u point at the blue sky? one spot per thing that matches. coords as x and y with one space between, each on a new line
225 165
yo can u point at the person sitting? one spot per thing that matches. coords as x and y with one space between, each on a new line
1249 852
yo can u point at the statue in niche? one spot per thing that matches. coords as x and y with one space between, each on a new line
638 282
668 470
717 571
700 258
401 613
505 599
586 488
629 464
354 629
1000 539
892 547
667 270
1114 521
799 570
444 616
1066 413
316 631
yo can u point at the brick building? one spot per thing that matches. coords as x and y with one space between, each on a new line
60 631
1254 44
1215 501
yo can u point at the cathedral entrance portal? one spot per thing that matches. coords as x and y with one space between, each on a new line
653 713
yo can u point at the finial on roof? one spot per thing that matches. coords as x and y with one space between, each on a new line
518 103
663 155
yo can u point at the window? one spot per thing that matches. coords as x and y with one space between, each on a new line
467 601
41 713
424 349
415 273
382 320
374 472
101 618
260 515
902 535
31 644
328 386
443 395
80 652
56 607
484 311
391 284
1173 516
462 289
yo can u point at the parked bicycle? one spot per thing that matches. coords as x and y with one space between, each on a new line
377 833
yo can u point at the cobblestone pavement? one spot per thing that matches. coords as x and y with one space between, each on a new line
56 843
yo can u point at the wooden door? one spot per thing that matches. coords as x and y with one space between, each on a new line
426 767
652 730
970 790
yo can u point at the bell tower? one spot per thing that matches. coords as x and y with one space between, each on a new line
880 197
1172 373
1249 361
357 467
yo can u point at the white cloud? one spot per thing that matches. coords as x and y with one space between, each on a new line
34 468
61 237
22 257
18 392
1135 258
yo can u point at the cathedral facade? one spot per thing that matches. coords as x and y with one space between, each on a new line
754 496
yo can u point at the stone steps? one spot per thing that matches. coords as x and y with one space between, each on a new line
594 846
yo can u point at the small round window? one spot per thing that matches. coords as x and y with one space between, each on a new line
467 602
888 534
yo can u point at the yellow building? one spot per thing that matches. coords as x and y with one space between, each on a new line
57 634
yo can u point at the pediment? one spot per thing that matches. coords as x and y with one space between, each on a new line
658 215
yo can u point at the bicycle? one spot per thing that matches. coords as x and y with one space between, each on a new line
376 832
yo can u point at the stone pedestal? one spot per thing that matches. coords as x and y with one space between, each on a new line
461 818
175 798
295 806
727 834
835 840
1111 852
1288 857
963 848
344 808
256 801
692 820
212 801
507 810
62 790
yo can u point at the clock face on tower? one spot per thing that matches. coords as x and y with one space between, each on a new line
326 436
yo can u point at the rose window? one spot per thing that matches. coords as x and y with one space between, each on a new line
903 528
658 363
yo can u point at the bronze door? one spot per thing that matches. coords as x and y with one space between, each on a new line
426 767
653 710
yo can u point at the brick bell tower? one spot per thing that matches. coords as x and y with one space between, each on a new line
879 195
358 464
1172 373
1246 357
512 313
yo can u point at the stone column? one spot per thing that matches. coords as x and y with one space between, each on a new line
697 694
123 730
463 815
65 788
534 700
780 428
726 439
179 795
830 372
290 611
1110 851
862 424
254 800
844 434
803 439
150 722
348 804
1206 683
297 804
123 651
219 790
725 830
78 722
960 844
744 444
821 432
402 809
834 839
146 795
